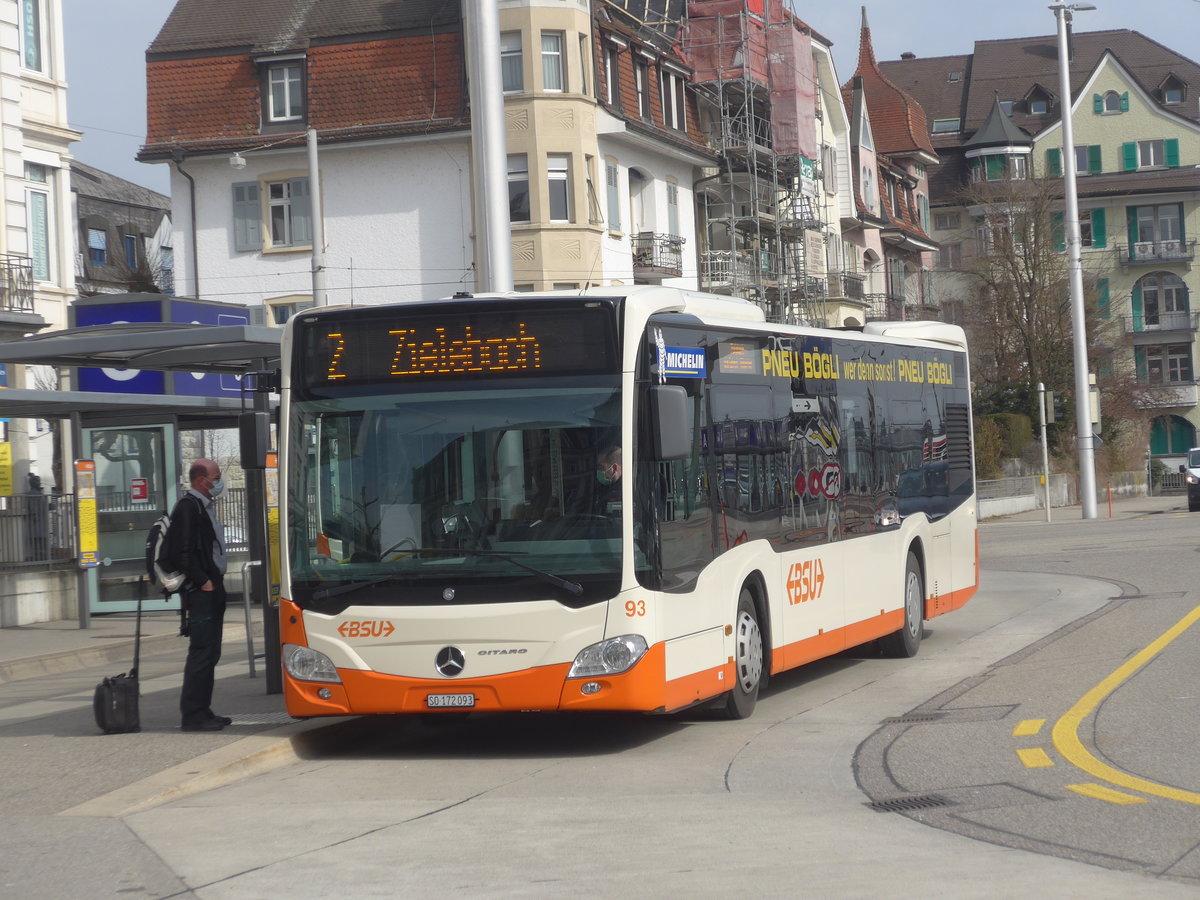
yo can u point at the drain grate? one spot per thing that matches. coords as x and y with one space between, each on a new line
913 718
906 804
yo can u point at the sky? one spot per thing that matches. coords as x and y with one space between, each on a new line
106 42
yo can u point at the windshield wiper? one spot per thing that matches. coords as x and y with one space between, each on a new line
572 586
330 592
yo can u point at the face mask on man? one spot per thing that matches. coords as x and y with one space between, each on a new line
605 475
218 488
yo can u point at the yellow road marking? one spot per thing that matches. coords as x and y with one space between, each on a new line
1028 727
1066 729
1035 758
1100 792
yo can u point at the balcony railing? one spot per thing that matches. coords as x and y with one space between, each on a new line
1159 323
884 307
1171 394
16 283
737 269
851 285
657 255
1144 252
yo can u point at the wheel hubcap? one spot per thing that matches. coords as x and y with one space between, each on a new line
749 652
912 603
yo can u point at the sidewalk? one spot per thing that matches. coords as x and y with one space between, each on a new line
51 648
1122 508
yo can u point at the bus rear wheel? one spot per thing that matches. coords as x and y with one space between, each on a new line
907 640
747 660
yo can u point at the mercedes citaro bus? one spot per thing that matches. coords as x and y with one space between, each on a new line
635 499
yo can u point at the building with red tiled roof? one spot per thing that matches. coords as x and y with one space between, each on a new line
997 115
233 88
890 151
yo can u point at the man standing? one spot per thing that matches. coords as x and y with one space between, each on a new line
196 547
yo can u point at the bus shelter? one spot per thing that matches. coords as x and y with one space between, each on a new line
136 436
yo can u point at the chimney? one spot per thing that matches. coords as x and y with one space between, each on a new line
908 54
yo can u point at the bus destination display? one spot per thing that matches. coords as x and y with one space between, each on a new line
396 346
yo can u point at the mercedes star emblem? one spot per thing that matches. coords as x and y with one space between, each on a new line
450 661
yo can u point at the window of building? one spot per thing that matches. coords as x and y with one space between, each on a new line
1113 104
673 209
1157 223
673 101
280 309
612 85
1038 106
287 214
893 198
1006 107
558 176
584 63
1018 167
945 126
1088 159
946 221
950 256
1163 300
518 187
285 91
868 188
37 220
166 269
554 72
595 217
32 45
641 83
954 77
1173 96
613 190
1151 153
512 71
97 241
131 251
923 212
566 285
1165 364
829 166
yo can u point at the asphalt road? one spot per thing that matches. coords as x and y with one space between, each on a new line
991 756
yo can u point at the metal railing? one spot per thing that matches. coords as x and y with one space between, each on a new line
1156 251
657 254
37 530
1157 323
16 283
737 268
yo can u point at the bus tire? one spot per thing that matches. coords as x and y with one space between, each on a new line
907 641
747 659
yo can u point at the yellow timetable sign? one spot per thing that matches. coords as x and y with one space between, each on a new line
6 469
85 505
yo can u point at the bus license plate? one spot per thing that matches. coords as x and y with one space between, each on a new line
450 701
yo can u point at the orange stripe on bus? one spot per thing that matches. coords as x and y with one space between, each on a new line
828 643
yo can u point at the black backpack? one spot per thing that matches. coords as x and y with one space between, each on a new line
158 568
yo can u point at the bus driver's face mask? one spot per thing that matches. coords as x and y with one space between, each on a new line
605 474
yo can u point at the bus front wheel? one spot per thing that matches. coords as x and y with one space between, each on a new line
747 659
907 640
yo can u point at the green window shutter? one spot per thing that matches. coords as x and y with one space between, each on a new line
1171 146
1099 229
1053 162
301 212
247 232
995 168
1129 157
1097 104
1182 226
1102 298
1131 227
1139 320
1125 102
1058 231
1095 163
1139 362
1158 434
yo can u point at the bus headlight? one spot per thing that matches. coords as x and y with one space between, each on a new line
610 657
307 664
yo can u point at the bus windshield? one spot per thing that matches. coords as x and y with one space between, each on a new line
459 496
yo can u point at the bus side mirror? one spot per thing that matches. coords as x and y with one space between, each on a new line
672 431
254 429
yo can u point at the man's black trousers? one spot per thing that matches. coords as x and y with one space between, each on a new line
206 619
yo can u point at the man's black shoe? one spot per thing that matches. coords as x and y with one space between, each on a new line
214 724
224 720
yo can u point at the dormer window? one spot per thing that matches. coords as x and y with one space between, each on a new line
1038 106
1172 91
954 77
1006 107
283 91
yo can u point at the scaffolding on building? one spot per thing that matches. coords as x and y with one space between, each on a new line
765 215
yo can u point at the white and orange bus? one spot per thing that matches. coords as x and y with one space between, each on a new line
621 499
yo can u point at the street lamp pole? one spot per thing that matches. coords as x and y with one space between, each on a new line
1083 417
320 298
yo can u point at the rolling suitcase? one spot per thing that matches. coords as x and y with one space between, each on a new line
115 703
